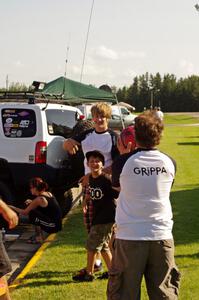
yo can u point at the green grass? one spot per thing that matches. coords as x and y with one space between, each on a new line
50 278
180 119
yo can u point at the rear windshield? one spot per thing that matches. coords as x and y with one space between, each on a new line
61 122
18 123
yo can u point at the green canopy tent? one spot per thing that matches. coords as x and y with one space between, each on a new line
75 92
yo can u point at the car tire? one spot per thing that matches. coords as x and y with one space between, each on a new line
68 197
65 200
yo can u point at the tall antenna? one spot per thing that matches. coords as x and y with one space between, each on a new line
84 55
66 61
66 64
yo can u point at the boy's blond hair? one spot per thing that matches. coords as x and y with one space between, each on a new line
101 109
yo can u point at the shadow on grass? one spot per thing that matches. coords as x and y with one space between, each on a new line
186 215
191 137
193 256
48 282
189 144
47 274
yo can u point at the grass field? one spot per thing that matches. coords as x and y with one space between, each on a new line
50 278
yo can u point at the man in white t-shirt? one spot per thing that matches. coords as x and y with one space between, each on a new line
159 113
144 242
98 138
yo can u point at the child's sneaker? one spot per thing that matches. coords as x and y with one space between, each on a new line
83 276
96 269
103 276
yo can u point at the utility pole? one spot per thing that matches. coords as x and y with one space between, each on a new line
7 82
151 106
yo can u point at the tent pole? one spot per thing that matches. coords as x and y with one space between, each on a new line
119 110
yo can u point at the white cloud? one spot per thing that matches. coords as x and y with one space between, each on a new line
186 66
92 70
107 53
130 73
104 52
132 54
18 64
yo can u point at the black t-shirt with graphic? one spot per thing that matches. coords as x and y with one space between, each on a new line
102 195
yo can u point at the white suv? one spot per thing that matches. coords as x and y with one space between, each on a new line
31 139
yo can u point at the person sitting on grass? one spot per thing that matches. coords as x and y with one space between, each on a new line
8 219
43 211
102 196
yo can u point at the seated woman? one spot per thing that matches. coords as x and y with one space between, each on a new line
43 211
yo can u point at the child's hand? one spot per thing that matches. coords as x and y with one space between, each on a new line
84 206
28 201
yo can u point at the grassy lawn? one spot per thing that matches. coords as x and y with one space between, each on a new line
180 119
50 278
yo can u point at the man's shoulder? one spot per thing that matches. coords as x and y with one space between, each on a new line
83 135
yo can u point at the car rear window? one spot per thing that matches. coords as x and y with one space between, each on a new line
61 121
18 123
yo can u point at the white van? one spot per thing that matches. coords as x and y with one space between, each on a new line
31 141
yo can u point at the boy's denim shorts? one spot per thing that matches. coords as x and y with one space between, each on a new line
99 237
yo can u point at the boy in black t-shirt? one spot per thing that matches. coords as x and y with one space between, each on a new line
102 196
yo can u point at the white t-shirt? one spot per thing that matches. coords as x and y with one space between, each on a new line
143 209
160 114
91 140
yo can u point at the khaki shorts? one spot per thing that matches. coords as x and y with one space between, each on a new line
154 260
5 265
99 237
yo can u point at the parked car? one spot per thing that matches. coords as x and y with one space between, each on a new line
32 132
120 117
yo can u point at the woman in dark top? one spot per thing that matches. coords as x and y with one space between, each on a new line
43 211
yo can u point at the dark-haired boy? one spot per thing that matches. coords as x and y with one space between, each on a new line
102 196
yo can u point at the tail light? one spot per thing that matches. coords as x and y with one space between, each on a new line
81 117
40 152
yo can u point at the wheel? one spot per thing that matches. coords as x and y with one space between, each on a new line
68 196
65 200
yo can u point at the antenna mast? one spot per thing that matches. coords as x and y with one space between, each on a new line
66 64
89 23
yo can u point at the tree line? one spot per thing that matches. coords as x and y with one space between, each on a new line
166 91
148 90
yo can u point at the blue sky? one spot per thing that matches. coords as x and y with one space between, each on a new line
127 38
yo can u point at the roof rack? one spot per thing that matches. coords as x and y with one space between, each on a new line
31 97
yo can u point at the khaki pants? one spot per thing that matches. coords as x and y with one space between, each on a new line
132 260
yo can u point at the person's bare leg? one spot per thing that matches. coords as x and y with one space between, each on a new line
90 261
98 259
39 234
6 295
107 256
